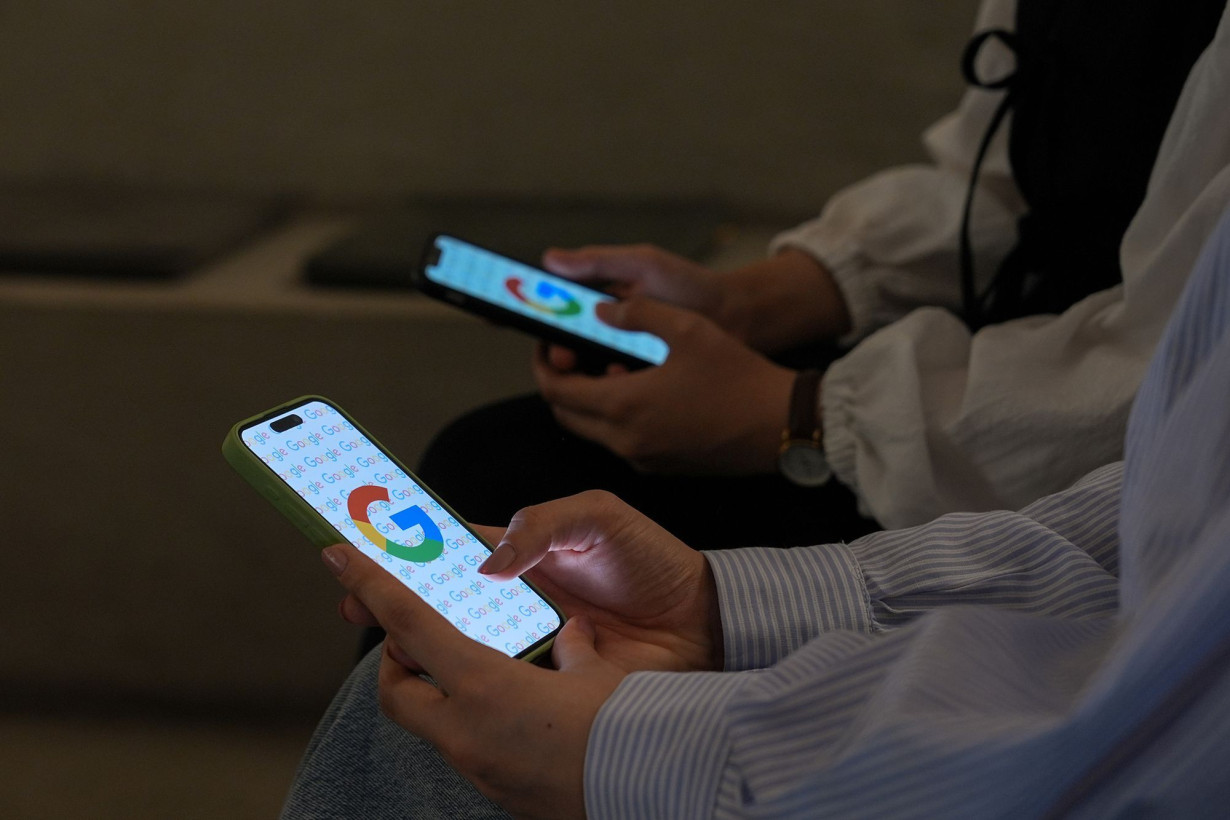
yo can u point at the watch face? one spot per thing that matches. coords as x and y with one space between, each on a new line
805 465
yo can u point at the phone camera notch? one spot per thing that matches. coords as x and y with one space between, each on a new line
285 423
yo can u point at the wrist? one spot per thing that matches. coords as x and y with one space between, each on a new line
783 301
763 443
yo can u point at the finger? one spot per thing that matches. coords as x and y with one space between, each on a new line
399 655
555 357
575 645
572 524
352 610
417 628
581 393
613 262
561 358
410 701
641 313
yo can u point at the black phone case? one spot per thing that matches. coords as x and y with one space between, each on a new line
592 356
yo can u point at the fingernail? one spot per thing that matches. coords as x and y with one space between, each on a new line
335 559
499 560
554 257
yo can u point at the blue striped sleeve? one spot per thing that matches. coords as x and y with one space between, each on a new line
823 618
774 601
950 718
1058 556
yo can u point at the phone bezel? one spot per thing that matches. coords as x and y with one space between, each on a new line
591 352
314 525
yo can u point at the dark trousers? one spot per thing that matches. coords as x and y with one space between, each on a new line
495 460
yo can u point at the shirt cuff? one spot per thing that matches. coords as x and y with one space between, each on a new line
843 259
837 421
775 600
658 746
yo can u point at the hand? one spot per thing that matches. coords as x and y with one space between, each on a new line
715 406
642 270
638 598
516 731
651 599
772 305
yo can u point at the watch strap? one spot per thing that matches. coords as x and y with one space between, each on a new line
801 421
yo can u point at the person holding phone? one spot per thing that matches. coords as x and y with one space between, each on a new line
927 672
1086 209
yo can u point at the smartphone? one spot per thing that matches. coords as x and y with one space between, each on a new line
555 309
336 483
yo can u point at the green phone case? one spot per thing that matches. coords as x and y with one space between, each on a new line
300 513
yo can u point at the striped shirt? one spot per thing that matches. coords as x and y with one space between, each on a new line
1070 659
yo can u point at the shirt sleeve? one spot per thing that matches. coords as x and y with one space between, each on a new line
798 738
923 417
891 241
1058 556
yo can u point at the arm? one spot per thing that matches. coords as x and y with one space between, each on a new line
1040 560
890 243
817 730
923 417
879 249
639 599
769 305
893 237
636 598
714 407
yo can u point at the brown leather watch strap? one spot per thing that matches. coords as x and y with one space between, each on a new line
801 422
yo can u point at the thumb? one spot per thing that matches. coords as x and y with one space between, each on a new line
649 315
574 645
618 263
575 264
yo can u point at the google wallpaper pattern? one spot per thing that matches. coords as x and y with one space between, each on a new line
380 509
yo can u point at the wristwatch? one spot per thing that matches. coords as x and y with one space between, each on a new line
801 458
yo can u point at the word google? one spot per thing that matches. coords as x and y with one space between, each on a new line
384 512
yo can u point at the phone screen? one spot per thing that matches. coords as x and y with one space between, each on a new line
537 295
390 517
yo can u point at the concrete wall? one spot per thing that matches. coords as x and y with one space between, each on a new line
770 105
142 575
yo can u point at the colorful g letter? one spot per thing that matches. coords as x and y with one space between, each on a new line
544 294
433 542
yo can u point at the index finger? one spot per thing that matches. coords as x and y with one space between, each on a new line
573 524
580 392
617 263
438 646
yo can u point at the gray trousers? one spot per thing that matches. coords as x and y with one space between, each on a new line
361 764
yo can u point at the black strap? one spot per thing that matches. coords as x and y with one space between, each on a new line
972 302
1094 85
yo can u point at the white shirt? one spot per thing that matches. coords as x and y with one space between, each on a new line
921 417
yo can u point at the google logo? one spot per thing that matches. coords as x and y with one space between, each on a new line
544 294
433 542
